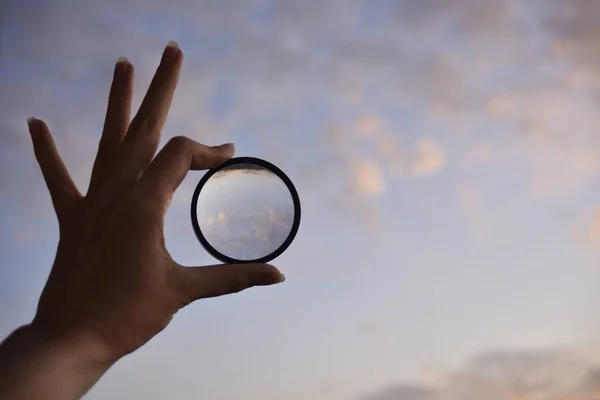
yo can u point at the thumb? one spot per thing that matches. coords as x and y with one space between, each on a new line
216 280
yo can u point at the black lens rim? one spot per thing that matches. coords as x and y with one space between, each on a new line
262 163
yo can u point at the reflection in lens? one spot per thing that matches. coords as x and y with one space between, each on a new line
245 211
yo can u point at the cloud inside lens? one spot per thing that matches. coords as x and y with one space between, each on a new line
245 211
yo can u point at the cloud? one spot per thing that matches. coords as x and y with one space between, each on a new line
369 125
388 147
593 232
396 96
575 27
591 383
501 104
368 179
404 392
274 66
507 375
429 159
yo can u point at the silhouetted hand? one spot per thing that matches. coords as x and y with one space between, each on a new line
113 285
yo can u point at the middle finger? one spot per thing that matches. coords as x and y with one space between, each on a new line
144 133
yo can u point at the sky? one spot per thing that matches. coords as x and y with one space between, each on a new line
446 154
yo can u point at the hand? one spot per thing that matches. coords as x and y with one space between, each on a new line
113 282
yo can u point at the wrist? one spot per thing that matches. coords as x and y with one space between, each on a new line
84 350
35 359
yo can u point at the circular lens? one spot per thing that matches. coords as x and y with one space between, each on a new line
246 210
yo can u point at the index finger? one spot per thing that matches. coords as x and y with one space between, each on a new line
143 136
172 163
155 106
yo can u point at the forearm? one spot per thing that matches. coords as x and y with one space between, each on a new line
35 365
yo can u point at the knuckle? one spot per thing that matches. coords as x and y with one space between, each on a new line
180 145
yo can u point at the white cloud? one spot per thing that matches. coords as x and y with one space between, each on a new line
368 179
429 158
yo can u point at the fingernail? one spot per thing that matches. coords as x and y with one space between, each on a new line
31 126
231 148
171 52
281 277
121 66
225 147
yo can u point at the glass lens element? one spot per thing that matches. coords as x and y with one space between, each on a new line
245 211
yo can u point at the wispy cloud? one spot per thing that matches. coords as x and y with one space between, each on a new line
507 375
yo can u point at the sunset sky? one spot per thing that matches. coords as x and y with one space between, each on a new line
446 153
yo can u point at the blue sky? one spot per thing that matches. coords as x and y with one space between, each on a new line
447 157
